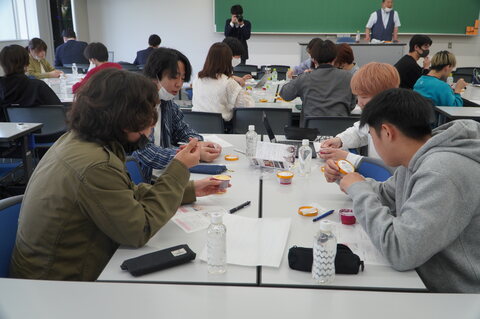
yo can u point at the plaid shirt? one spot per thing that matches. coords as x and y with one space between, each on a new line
174 130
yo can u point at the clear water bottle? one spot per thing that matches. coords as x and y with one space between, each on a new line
74 70
305 158
357 37
450 80
217 245
252 138
274 75
63 85
324 251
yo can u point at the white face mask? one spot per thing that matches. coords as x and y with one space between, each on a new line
387 10
236 61
165 95
91 66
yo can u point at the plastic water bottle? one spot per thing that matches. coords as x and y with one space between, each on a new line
324 251
252 138
450 79
63 85
74 70
305 158
217 245
274 75
357 37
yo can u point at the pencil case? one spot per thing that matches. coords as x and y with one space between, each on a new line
208 169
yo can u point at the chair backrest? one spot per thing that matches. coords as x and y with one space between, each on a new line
277 117
249 68
133 168
330 125
53 117
205 122
9 212
374 168
129 66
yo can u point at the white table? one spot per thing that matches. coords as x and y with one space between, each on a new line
54 84
245 187
53 299
456 113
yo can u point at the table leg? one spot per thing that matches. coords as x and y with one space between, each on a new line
26 158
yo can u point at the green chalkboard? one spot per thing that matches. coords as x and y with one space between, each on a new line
348 16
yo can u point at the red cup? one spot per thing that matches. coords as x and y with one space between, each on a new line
347 217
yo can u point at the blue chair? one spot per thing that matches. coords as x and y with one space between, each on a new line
9 212
134 170
375 169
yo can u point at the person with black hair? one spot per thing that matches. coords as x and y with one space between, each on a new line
407 66
169 69
239 28
306 65
426 216
142 55
326 90
71 51
38 66
237 51
97 54
80 203
16 87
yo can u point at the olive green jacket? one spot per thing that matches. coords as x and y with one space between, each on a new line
80 204
35 70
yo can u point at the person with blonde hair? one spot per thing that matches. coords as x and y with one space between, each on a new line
433 86
370 80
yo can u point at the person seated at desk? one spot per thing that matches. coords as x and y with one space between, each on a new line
71 51
370 80
306 65
38 66
168 69
80 203
237 51
345 58
408 67
326 90
17 88
433 85
142 55
97 54
215 90
426 216
383 24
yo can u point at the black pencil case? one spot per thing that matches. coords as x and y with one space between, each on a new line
346 262
162 259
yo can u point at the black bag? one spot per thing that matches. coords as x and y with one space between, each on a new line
346 262
158 260
300 133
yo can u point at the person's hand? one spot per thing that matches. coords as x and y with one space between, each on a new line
350 179
332 153
207 186
331 171
234 19
367 37
307 71
189 155
247 77
55 73
290 73
239 80
426 63
461 84
209 151
335 142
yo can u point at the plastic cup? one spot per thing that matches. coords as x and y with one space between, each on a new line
347 217
225 181
285 177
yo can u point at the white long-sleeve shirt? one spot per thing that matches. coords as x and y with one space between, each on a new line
219 95
354 137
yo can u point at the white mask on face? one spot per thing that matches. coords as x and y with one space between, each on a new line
235 61
91 66
165 95
387 10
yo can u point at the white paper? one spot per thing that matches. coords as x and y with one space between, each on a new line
215 139
255 241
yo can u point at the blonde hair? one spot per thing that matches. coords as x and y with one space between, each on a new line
373 78
442 59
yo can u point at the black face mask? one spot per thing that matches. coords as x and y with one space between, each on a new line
424 53
140 144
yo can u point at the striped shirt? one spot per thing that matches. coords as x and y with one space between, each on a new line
173 131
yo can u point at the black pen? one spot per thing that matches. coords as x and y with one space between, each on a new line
233 210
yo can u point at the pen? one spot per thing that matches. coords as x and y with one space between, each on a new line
330 212
239 151
233 210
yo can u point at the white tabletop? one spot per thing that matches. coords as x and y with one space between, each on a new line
245 187
453 112
54 84
53 299
10 130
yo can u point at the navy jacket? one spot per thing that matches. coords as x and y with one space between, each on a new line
70 52
242 34
142 56
379 31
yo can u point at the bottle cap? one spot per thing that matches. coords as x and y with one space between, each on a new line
251 127
216 218
305 142
326 226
